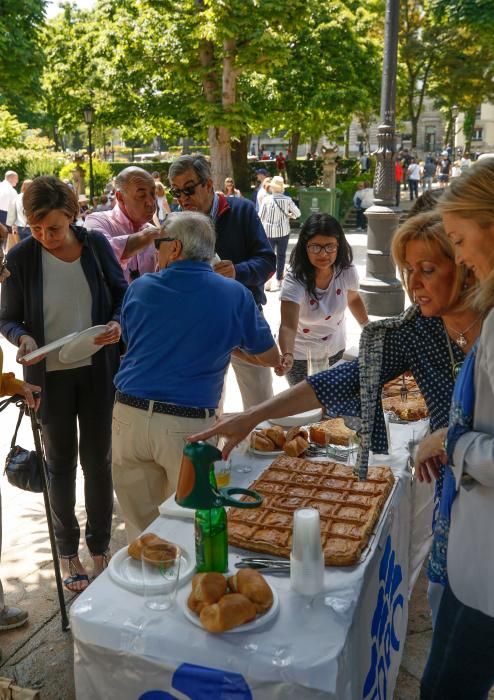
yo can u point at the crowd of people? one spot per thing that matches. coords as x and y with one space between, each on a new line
180 296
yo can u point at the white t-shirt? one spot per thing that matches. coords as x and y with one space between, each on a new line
321 326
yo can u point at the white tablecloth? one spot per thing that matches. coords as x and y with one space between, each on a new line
346 643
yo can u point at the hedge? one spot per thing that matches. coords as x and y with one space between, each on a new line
30 164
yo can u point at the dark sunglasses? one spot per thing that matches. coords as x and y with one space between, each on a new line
185 191
159 241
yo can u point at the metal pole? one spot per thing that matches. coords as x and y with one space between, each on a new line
381 290
91 176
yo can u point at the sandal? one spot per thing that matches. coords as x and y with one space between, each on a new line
100 562
76 578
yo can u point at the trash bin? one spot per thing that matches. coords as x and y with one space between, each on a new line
318 199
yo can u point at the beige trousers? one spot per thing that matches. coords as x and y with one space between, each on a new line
254 381
146 455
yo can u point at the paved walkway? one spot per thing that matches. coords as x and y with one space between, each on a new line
40 654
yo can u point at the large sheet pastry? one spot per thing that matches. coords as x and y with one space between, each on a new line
395 386
349 508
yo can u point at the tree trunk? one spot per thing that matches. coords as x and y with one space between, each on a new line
186 145
241 172
313 145
414 119
294 143
347 142
468 125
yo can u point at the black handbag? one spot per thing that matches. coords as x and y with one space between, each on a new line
22 466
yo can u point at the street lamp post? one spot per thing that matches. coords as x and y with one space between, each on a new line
454 113
88 118
382 292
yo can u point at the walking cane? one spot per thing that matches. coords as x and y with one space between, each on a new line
44 478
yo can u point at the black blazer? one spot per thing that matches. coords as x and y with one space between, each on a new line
21 311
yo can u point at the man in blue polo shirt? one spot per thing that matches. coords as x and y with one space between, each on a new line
241 244
180 325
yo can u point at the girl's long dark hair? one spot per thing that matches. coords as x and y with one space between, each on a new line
318 225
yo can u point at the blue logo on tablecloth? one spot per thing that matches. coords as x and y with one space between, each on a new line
389 604
202 683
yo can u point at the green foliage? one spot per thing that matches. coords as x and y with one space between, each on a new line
102 173
30 164
21 56
11 130
162 168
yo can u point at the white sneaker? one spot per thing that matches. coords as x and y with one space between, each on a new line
267 286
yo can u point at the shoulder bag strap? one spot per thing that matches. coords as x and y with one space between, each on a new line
281 209
100 270
21 415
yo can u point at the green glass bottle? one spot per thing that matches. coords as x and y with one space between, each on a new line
211 536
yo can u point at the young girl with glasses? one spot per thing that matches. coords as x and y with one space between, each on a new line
318 287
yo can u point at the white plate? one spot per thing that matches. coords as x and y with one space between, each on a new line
54 345
127 572
312 416
262 453
82 346
260 620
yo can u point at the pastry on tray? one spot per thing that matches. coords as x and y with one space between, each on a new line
413 408
223 604
395 386
294 442
349 509
332 431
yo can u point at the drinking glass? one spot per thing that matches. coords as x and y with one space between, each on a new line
317 361
160 574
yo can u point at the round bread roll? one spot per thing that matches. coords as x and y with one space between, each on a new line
149 538
231 611
296 447
260 442
296 430
276 435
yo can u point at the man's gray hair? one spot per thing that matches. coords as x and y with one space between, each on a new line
10 173
127 174
195 231
197 163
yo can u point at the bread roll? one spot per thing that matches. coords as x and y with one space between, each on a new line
296 447
276 435
295 431
207 588
166 549
253 586
260 442
231 611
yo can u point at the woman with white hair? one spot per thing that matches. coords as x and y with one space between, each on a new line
275 213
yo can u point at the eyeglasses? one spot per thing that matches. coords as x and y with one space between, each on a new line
316 249
159 241
185 191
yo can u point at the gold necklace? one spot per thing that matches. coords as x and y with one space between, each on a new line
461 341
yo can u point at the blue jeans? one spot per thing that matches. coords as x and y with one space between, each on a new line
414 188
279 246
461 660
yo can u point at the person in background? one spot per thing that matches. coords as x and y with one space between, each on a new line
16 217
413 176
428 173
281 165
181 325
444 170
8 193
259 192
65 279
12 617
161 202
241 245
357 203
229 189
104 204
461 658
127 226
398 180
366 200
276 211
319 286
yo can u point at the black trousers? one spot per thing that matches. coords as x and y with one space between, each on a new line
73 400
298 372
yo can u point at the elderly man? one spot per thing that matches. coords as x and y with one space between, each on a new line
8 193
180 325
242 246
127 225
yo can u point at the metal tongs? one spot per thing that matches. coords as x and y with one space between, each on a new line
267 566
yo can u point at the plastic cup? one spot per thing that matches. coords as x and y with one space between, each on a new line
316 362
160 575
306 559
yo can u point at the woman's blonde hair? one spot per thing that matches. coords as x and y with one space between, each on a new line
471 196
428 229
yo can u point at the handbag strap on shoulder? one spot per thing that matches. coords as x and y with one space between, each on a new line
19 419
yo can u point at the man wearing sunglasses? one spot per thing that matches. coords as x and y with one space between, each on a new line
241 244
126 226
181 326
